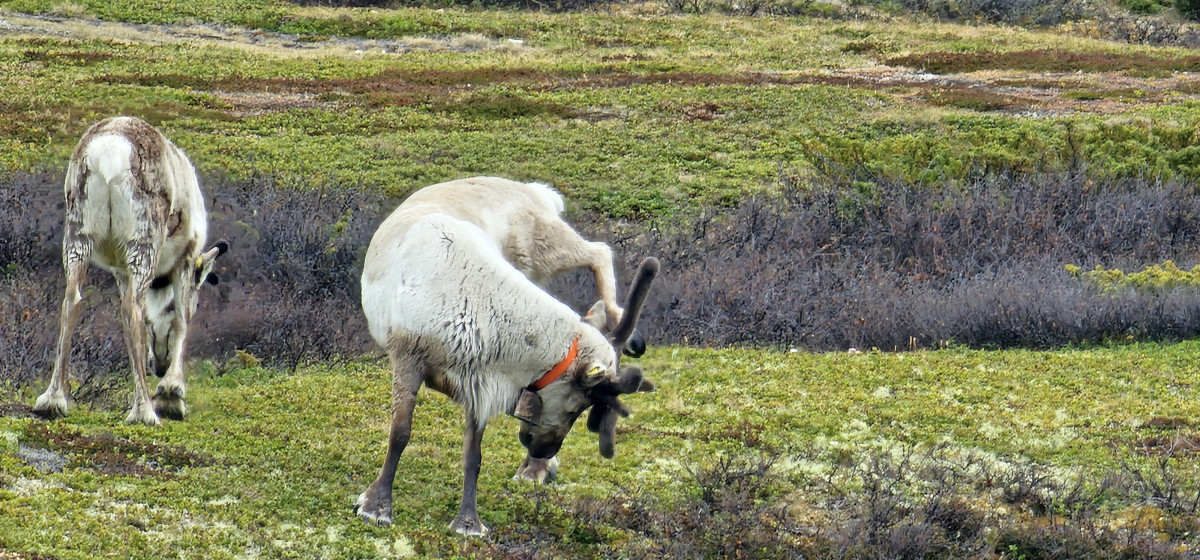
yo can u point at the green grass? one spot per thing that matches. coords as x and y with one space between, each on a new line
281 458
633 116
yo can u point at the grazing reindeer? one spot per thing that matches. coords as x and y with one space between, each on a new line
525 220
134 208
455 315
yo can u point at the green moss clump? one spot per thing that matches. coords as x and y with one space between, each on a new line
1155 278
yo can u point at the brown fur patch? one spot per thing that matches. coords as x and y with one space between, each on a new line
173 223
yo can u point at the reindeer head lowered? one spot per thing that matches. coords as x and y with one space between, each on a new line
162 307
548 415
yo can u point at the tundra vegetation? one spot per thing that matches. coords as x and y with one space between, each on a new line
935 189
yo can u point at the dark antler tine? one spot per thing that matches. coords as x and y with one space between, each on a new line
633 303
608 434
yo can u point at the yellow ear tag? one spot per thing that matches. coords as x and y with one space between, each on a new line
199 262
595 370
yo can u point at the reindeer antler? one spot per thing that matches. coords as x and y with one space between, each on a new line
606 406
633 303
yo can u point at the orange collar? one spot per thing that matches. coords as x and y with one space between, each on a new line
558 369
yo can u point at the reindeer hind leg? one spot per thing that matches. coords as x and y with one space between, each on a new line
141 258
77 252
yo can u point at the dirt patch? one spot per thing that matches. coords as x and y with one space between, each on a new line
1166 423
73 58
242 104
976 99
16 410
984 91
1168 445
1028 93
109 454
1046 61
502 107
277 44
251 96
702 111
1178 439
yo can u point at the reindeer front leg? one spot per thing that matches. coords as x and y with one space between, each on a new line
467 522
169 395
76 252
375 503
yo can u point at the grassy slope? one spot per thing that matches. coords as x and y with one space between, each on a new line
290 453
282 457
632 115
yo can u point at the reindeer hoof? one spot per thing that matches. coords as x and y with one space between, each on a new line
51 406
173 409
540 471
143 414
165 391
469 525
168 401
373 510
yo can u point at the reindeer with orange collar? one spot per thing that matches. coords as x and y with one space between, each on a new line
442 297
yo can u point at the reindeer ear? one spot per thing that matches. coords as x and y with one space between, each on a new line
594 376
596 316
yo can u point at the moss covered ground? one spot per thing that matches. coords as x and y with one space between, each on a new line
636 114
268 465
633 114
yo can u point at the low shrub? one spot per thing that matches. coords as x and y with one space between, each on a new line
854 263
288 291
844 260
902 502
1155 278
1188 8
